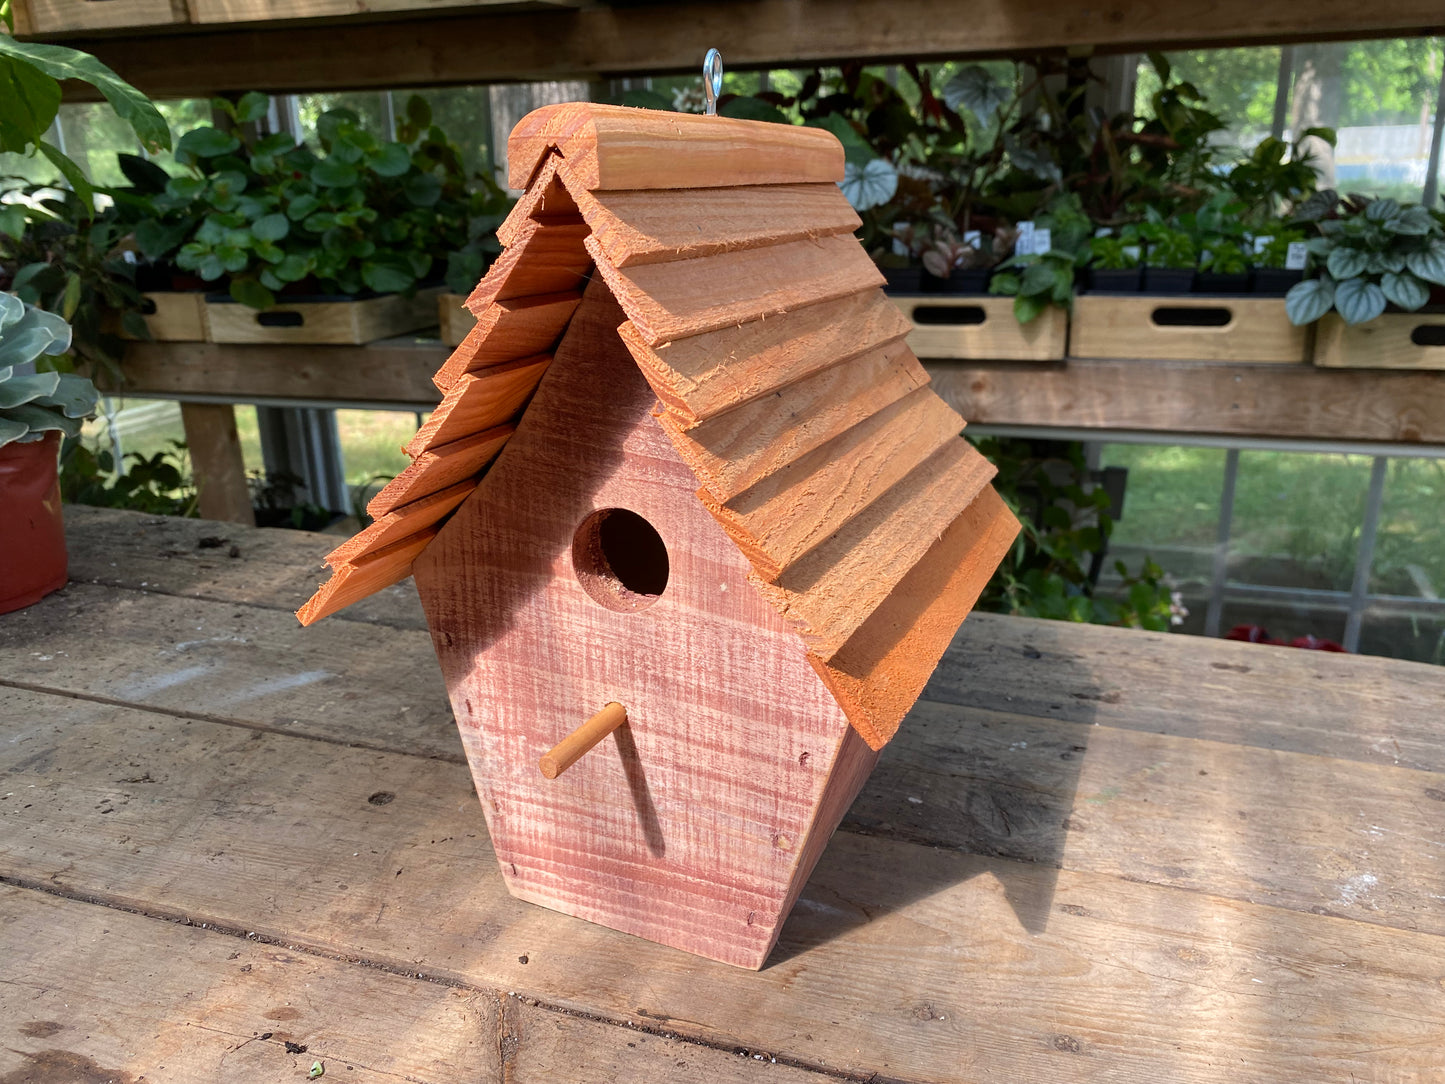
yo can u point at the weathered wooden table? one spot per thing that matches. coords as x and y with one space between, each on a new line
1090 855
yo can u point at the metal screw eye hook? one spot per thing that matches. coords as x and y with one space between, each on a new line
712 73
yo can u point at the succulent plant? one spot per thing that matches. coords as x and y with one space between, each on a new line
33 403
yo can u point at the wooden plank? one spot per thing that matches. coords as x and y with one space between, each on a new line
732 451
271 568
454 318
508 330
1360 707
1290 830
45 17
480 401
1386 342
397 371
607 41
216 461
879 673
1200 397
97 994
796 509
545 258
656 226
251 11
440 467
613 147
535 633
247 666
368 573
402 522
703 376
1118 326
833 590
1209 989
328 322
691 297
939 330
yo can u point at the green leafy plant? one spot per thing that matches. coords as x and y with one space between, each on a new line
1168 246
71 261
34 403
1275 176
1274 251
1037 280
1225 258
30 77
1381 252
159 484
1051 570
1121 253
268 213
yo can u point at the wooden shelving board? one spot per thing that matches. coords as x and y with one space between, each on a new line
430 44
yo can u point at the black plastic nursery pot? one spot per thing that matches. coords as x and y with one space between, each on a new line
32 535
902 280
971 281
1275 281
1124 280
1168 280
1211 282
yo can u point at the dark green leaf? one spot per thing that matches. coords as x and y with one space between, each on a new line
418 111
185 188
12 220
422 189
301 206
333 174
1430 264
646 99
1405 290
1028 309
977 90
1307 301
71 172
31 100
135 325
250 292
746 108
272 227
386 279
1358 301
252 107
143 174
1346 263
856 148
62 63
206 143
392 160
292 269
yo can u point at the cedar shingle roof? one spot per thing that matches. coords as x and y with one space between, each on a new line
781 374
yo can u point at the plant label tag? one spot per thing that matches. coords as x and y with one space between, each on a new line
1132 251
973 238
1295 256
1261 242
1024 246
1041 241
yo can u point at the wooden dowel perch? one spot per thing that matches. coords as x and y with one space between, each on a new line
570 749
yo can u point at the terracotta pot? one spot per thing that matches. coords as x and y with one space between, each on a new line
32 536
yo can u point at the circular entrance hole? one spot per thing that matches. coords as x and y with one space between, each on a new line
620 559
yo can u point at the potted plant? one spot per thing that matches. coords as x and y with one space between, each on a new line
1223 269
1380 253
35 409
1046 260
1170 259
952 266
364 220
1114 263
1272 276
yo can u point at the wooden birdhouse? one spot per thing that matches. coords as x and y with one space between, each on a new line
687 478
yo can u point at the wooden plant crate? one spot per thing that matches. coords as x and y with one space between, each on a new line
454 318
1186 328
1397 340
175 317
349 322
979 327
63 16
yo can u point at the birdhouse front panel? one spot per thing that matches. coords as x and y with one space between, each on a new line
586 572
718 485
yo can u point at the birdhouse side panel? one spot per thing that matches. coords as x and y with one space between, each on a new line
690 824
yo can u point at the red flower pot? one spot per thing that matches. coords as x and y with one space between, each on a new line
32 536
